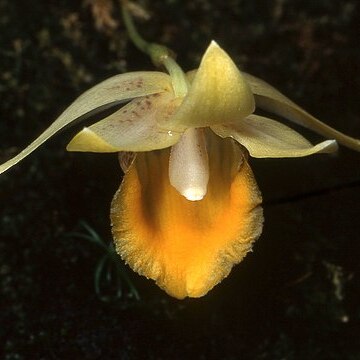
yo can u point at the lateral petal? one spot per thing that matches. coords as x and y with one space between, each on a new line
187 247
114 90
132 128
272 100
266 138
218 93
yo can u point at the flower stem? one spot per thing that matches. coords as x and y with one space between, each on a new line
177 75
160 55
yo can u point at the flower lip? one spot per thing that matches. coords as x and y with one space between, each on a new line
187 247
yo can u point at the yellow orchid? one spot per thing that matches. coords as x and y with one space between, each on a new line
188 208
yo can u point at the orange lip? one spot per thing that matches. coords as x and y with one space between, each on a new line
187 247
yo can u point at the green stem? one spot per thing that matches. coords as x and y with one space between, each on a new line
135 37
179 81
160 55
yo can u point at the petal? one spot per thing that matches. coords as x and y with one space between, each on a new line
189 165
218 93
187 247
114 90
265 138
270 99
132 128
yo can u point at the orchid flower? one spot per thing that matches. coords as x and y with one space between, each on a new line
188 208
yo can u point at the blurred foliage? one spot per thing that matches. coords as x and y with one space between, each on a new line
110 274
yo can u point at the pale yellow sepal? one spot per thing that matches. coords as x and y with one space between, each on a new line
266 138
114 90
272 100
88 141
218 93
132 128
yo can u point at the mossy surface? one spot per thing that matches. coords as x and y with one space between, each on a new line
295 297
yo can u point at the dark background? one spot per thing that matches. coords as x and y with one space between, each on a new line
295 297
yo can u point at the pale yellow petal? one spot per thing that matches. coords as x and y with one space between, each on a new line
132 128
187 247
266 138
270 99
218 93
108 93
